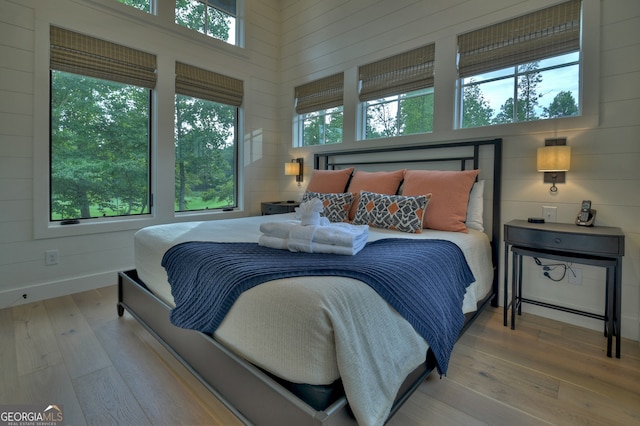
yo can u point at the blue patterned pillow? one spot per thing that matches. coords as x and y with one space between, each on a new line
336 206
398 212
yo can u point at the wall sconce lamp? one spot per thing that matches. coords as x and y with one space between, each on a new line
295 168
554 159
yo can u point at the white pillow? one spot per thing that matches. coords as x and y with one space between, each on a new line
475 208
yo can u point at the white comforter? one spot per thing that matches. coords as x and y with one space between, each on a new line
316 329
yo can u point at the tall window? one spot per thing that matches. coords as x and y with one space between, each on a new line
319 107
214 18
524 69
100 128
397 94
206 144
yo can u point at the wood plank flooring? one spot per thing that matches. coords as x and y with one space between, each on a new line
75 351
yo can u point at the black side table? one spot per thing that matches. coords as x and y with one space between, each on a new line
601 246
279 207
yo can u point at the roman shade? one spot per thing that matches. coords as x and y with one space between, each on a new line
204 84
80 54
402 73
320 94
548 32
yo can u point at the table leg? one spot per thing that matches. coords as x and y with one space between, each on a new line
610 314
514 291
617 302
506 282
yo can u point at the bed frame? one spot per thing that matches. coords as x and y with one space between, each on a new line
251 394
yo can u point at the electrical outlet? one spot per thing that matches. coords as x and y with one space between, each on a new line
549 213
575 277
51 257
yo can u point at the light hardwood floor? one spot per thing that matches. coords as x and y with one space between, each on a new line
75 351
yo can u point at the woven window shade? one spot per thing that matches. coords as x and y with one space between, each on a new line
398 74
320 94
203 84
80 54
227 6
538 35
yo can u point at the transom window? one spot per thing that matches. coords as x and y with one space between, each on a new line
399 115
319 106
144 5
396 94
524 69
214 18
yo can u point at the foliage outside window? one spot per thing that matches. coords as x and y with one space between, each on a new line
543 89
206 134
524 69
205 152
100 98
322 127
398 115
319 106
213 18
99 148
396 94
144 5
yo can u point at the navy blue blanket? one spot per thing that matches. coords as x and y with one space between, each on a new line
424 280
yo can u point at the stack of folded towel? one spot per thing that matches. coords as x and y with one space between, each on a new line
335 238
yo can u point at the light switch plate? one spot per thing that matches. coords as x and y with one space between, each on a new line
550 213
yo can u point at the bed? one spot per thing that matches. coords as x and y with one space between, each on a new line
251 363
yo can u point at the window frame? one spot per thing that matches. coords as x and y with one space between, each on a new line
588 100
363 106
236 166
149 153
514 75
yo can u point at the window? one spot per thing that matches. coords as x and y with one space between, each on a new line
144 5
206 121
524 69
100 128
319 106
396 94
214 18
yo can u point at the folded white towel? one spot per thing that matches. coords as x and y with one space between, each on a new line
342 234
301 237
278 229
337 238
273 242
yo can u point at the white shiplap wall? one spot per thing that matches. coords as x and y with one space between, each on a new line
320 38
290 42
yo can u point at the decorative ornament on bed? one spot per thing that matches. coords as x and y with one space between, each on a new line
335 206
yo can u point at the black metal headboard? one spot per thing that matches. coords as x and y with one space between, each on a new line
485 155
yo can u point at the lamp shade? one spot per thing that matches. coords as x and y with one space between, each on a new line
556 158
292 168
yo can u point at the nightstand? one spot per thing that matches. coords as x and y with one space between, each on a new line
279 207
600 246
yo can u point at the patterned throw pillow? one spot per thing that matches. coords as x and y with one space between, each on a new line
397 212
336 206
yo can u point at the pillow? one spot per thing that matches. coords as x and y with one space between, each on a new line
336 206
329 181
378 182
450 194
397 212
475 208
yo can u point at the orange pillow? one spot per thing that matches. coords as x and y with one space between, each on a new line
447 209
378 182
329 181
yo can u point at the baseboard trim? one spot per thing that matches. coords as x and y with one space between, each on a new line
51 289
